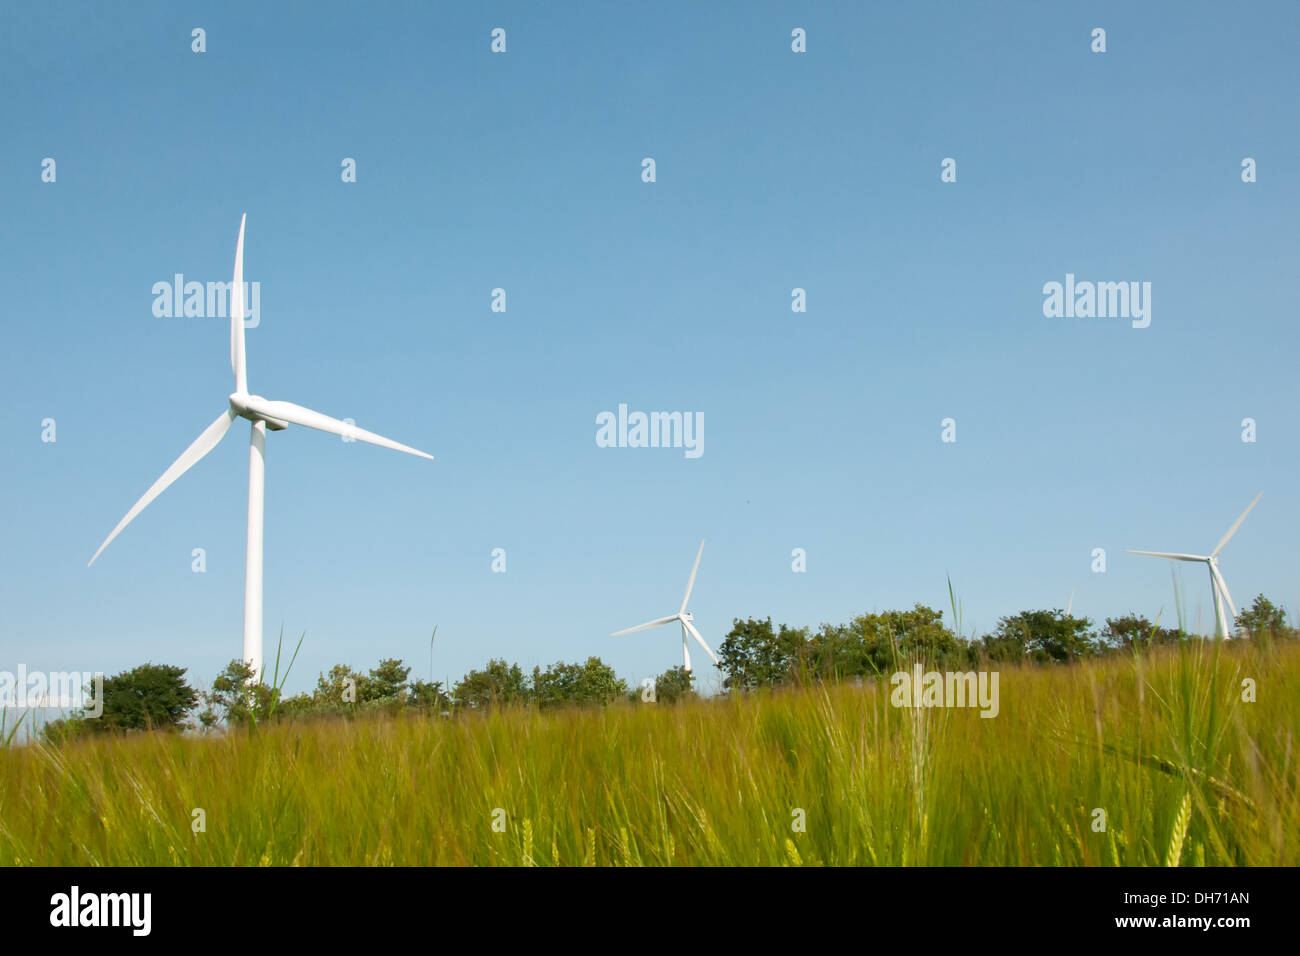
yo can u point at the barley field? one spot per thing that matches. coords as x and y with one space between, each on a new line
1184 770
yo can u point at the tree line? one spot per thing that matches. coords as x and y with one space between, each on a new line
158 696
753 655
757 654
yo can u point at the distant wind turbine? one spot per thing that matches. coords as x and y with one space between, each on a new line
1218 586
263 414
684 616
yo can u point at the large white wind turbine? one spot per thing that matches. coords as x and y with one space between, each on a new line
682 615
263 414
1218 586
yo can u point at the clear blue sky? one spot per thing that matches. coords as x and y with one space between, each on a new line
522 171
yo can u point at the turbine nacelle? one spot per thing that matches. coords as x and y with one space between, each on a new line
239 403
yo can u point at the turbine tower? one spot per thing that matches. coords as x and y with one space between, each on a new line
682 615
262 414
1218 587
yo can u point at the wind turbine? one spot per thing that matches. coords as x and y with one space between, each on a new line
1218 586
263 414
682 615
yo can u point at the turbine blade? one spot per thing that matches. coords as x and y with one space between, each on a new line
691 583
189 457
1235 526
642 627
1223 589
237 314
696 634
298 415
1176 557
